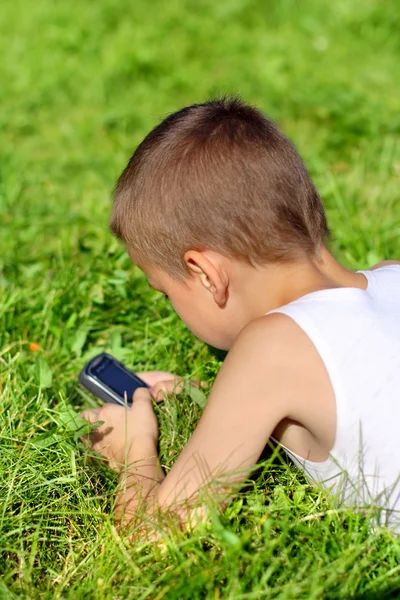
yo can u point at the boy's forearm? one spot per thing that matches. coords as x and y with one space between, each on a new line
140 481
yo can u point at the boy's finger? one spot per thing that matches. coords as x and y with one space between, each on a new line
167 387
199 384
142 395
154 377
205 385
173 387
91 414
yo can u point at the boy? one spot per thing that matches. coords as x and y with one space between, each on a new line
218 210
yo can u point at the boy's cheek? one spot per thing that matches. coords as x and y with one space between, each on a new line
211 335
205 326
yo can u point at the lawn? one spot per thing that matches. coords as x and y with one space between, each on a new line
81 83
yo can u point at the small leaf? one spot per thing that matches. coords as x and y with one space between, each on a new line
234 509
71 321
230 538
79 340
71 420
115 341
197 396
97 294
96 425
86 429
45 440
299 496
43 373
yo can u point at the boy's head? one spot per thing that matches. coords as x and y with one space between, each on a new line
217 176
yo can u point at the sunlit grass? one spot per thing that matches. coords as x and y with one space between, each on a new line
81 84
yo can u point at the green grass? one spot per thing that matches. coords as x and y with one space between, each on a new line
81 84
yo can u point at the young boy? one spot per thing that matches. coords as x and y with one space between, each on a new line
218 210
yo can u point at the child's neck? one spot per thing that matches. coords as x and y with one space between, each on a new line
280 284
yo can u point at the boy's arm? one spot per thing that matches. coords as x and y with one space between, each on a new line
245 405
255 389
259 384
384 263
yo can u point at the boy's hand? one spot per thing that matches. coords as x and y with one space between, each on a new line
121 427
162 382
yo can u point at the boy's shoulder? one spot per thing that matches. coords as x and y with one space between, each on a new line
276 353
275 342
274 331
270 336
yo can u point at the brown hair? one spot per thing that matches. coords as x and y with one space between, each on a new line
218 175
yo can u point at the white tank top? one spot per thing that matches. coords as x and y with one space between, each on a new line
357 335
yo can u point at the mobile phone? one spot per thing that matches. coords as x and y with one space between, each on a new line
110 380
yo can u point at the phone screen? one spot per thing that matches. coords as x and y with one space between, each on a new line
116 378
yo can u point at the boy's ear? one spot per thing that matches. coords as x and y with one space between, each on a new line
212 276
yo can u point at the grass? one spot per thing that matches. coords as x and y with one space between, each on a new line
82 82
